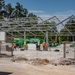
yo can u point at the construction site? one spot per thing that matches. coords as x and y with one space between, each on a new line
56 54
32 45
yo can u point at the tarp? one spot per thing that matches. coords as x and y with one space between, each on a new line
28 40
72 45
20 41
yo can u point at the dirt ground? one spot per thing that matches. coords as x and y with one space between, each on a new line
13 66
22 68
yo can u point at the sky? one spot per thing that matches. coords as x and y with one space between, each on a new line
47 8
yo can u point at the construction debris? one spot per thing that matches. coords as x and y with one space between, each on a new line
67 62
36 61
64 61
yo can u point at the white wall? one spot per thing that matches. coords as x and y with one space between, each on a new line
31 47
2 36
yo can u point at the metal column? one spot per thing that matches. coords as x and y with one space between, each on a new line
12 49
47 39
24 35
59 39
64 51
0 48
74 52
73 38
5 38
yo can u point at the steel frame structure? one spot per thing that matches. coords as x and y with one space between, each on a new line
10 25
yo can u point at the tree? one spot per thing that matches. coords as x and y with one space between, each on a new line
70 25
20 11
8 9
31 15
25 12
18 8
33 18
2 4
53 30
3 13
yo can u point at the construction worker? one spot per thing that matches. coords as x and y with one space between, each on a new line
44 45
14 45
25 46
38 45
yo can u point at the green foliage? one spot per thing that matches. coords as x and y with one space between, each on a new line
34 19
8 9
17 11
2 4
70 25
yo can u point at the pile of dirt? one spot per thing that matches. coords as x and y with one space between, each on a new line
67 62
36 61
18 59
64 61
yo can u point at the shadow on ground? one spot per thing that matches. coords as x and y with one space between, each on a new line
4 55
5 73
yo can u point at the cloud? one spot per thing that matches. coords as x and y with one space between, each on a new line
69 12
60 15
35 11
